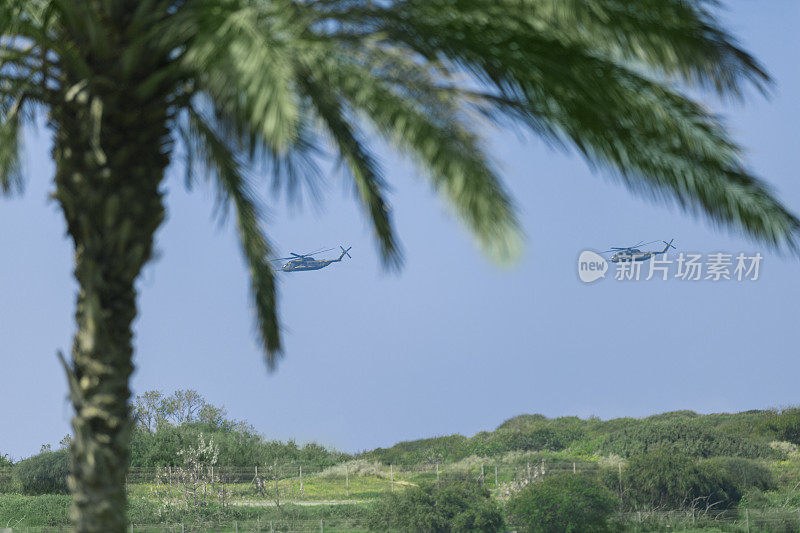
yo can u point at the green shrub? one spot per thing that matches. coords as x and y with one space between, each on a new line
35 511
448 507
45 473
239 446
784 425
562 504
744 473
669 479
5 460
690 436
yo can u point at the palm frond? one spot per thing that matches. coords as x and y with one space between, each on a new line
438 140
245 69
363 168
658 141
10 147
675 37
233 186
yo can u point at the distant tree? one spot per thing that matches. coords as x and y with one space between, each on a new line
185 405
66 441
566 503
213 416
151 409
5 460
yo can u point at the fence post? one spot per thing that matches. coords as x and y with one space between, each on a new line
495 476
747 518
235 526
391 475
528 463
483 477
437 473
321 526
347 479
301 482
271 530
182 530
573 467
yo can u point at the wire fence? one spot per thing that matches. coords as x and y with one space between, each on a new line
353 480
734 521
272 526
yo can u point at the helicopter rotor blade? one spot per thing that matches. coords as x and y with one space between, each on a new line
315 252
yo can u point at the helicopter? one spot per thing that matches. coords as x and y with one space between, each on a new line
301 262
632 253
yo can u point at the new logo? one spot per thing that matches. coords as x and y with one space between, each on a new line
591 266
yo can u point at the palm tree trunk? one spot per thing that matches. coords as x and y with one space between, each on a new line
110 153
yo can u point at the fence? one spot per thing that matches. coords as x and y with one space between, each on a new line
734 521
354 480
270 526
358 480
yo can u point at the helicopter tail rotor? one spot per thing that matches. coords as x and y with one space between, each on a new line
668 246
344 252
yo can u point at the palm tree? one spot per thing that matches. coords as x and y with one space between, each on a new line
239 86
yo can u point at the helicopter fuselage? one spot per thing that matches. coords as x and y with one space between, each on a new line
299 265
302 263
631 255
628 255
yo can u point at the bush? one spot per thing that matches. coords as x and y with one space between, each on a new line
449 507
237 447
45 473
693 437
784 425
20 511
563 503
669 479
744 473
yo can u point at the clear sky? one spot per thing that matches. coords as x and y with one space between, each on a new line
451 343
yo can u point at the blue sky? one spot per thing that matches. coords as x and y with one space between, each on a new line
451 343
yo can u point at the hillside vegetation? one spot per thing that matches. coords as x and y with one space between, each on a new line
672 470
751 435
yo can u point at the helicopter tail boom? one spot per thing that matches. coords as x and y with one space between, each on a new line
344 252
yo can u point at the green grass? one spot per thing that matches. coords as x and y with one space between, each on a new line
51 510
46 510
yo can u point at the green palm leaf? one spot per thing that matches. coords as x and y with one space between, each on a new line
10 148
233 187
